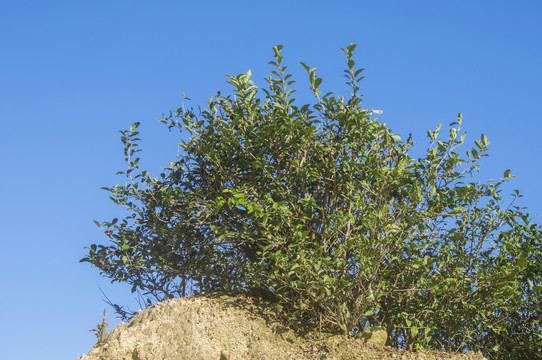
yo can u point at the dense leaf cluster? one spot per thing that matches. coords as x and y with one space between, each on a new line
322 210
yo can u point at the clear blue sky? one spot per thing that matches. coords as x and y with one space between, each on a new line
73 73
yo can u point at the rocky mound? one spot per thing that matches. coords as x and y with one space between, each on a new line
225 328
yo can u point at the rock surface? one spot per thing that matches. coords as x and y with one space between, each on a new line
201 328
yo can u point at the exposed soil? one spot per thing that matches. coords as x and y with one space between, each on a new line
233 328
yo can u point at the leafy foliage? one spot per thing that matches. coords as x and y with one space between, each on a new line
321 209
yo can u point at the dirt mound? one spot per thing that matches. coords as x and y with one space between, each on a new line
225 328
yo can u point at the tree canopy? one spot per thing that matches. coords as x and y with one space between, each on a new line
320 209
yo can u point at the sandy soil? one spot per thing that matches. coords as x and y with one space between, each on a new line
233 328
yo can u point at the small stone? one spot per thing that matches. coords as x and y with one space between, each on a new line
375 335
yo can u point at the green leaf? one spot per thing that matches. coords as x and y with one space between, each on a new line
317 82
